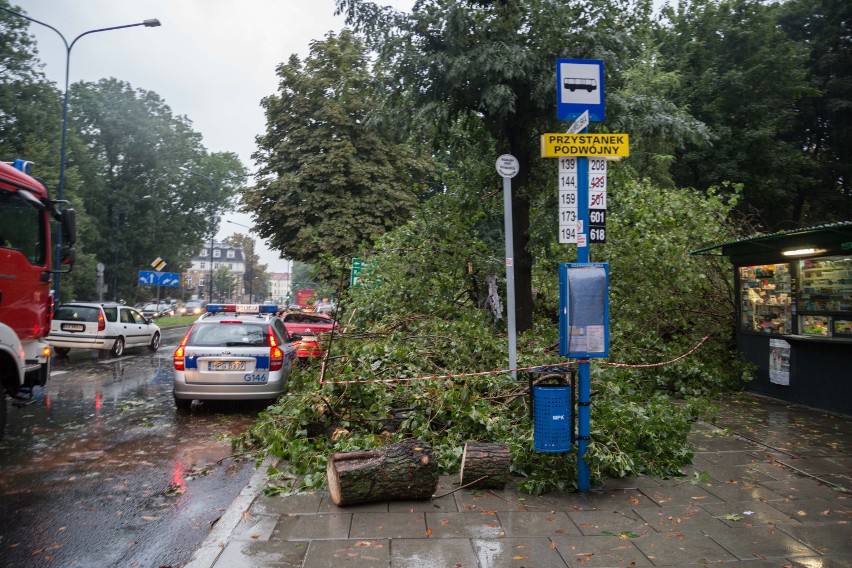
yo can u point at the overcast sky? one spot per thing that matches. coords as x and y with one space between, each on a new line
211 60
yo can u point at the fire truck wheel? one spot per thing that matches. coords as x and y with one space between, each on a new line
2 412
118 347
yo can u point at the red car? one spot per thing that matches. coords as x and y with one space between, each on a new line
309 327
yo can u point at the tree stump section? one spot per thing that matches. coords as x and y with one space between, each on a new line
406 470
485 466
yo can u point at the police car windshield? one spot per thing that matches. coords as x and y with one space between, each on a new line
216 334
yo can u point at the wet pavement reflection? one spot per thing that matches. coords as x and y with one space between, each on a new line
100 470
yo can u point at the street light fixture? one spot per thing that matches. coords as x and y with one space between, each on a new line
251 261
152 23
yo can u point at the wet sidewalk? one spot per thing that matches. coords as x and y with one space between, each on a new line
770 486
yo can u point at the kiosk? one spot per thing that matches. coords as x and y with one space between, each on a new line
794 312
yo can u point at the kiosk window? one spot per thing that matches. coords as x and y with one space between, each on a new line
765 298
825 296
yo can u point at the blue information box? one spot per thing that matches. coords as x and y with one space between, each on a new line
583 310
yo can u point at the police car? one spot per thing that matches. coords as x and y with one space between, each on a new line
233 352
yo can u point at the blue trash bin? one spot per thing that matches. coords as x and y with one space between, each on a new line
551 405
551 408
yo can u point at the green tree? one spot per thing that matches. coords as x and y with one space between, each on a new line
30 107
742 76
30 128
136 155
328 179
224 285
823 123
493 63
255 278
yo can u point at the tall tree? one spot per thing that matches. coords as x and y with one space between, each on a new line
144 200
823 123
255 279
329 180
742 76
494 60
30 107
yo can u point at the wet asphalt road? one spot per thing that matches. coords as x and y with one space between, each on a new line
100 469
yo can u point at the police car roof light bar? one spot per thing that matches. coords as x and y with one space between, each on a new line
242 308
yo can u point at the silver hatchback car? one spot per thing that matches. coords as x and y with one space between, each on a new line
108 326
233 352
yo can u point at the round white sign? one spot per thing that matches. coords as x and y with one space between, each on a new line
507 166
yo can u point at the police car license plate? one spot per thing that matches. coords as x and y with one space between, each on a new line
227 365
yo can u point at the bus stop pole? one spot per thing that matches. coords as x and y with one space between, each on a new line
583 370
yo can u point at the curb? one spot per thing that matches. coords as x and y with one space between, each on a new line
217 538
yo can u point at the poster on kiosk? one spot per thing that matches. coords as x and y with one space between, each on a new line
583 309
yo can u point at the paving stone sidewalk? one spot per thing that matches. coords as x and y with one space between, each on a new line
770 486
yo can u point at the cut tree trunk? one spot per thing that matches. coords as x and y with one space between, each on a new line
406 470
485 466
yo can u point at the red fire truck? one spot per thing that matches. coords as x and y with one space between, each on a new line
26 301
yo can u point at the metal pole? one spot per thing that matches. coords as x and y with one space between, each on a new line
152 23
210 284
251 273
510 274
583 369
507 167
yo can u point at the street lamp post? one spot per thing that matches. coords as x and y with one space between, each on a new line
214 188
152 23
251 261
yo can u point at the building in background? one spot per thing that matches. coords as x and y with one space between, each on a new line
196 279
279 287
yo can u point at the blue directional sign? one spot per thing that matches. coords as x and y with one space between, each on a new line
151 278
580 87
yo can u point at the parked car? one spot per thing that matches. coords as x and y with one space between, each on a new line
159 310
309 326
233 352
325 307
108 326
193 308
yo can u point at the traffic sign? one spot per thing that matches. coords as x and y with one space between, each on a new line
579 88
358 266
151 278
580 124
557 145
507 166
158 264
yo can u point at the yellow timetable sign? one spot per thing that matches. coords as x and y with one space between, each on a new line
560 144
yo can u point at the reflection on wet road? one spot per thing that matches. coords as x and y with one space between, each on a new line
100 470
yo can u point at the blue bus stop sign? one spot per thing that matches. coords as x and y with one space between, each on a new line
580 87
